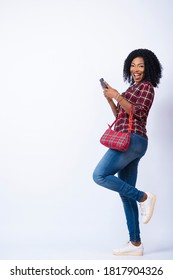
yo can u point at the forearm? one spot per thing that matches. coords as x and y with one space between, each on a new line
126 105
112 94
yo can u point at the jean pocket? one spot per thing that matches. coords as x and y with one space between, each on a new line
139 144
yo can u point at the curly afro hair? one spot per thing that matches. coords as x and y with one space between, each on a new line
153 68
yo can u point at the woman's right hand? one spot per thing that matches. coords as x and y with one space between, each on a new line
109 99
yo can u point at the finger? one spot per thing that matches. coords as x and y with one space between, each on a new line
107 84
104 93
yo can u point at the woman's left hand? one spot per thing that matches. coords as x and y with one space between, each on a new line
110 92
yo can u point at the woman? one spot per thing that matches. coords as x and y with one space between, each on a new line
143 71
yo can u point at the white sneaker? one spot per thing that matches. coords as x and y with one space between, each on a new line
147 207
129 250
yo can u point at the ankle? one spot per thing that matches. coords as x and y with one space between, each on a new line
136 243
144 197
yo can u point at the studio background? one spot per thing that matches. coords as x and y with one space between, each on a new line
52 113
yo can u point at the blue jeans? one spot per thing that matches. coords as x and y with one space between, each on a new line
125 164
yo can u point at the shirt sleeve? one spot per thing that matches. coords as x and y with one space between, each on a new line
144 101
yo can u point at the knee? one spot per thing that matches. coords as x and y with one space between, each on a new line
97 177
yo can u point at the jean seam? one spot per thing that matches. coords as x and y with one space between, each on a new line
134 224
133 216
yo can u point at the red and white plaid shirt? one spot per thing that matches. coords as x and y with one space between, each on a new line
141 96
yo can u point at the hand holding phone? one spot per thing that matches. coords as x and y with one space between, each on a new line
103 83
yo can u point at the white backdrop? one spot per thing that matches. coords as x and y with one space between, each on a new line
52 113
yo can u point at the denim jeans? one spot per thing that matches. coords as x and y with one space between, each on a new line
125 165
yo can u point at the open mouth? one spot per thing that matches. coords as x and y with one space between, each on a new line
136 76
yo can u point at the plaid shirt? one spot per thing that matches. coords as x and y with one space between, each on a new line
141 96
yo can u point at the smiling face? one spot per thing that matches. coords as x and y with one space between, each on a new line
137 69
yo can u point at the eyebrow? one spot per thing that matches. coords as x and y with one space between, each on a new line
141 63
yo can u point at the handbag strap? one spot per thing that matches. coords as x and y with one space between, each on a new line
130 120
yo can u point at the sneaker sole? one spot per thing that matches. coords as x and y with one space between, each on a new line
128 254
152 210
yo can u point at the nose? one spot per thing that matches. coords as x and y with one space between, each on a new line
136 69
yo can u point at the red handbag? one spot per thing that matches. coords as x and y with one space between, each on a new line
118 140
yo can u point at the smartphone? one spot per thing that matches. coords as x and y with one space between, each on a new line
103 83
